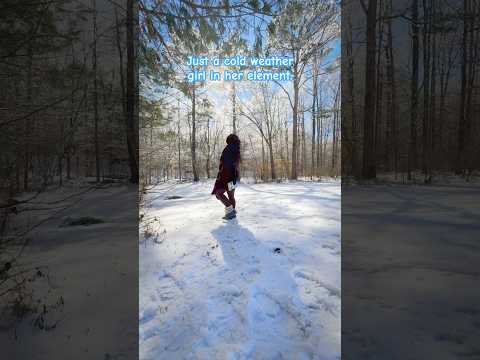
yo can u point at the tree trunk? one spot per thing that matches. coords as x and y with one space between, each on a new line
293 174
351 100
207 163
27 127
461 121
272 160
369 170
70 142
286 143
179 140
319 139
120 55
194 133
379 85
304 149
433 90
234 110
262 173
335 129
473 15
314 115
393 132
131 94
412 153
95 93
426 88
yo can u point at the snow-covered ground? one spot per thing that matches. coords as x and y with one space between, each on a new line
91 268
212 289
410 271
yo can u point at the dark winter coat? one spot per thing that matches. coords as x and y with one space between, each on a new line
228 168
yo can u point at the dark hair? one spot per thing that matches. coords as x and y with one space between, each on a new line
234 141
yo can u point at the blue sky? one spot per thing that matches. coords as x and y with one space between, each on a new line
219 95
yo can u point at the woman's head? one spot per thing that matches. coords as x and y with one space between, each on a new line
233 139
233 143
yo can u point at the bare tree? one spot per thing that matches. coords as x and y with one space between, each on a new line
369 168
303 29
132 93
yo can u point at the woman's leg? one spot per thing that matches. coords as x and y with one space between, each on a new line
231 197
221 196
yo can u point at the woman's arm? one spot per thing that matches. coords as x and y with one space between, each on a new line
220 165
236 173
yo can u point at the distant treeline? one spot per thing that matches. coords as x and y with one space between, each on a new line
67 104
288 129
410 87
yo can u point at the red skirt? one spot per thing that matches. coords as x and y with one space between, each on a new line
223 178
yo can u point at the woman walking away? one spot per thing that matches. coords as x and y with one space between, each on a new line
228 176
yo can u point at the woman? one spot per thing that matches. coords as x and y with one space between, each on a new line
228 175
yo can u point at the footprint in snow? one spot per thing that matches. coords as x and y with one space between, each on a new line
250 274
263 308
231 293
306 275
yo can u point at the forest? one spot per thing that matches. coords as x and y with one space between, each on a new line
410 161
67 75
288 130
410 89
257 275
68 128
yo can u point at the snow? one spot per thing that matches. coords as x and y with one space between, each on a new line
216 289
90 267
410 271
